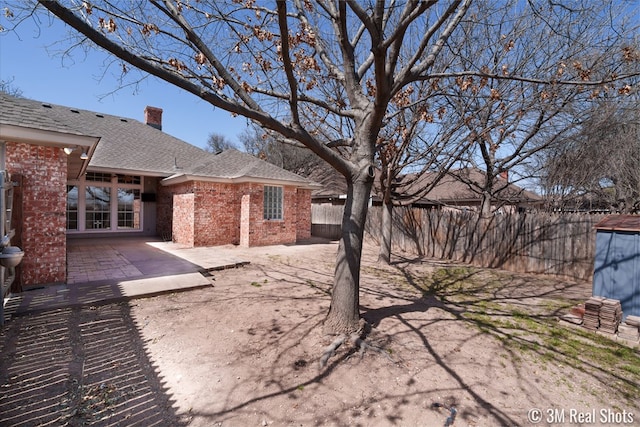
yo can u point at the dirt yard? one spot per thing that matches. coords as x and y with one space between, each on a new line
460 346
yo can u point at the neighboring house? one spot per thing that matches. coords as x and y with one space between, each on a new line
599 201
457 190
461 189
333 186
77 173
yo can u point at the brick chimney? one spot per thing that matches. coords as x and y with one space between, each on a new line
153 117
504 174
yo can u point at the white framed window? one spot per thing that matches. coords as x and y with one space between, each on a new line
103 202
273 202
129 209
72 207
97 206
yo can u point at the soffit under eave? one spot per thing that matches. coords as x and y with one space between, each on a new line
122 171
47 138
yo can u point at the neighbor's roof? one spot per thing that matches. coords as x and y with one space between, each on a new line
130 145
332 183
462 185
452 188
619 223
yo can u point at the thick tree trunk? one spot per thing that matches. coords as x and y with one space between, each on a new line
387 230
344 313
485 208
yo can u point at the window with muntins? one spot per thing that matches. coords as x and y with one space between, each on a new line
272 202
72 207
128 208
98 208
104 201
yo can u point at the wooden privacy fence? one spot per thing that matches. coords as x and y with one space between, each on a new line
326 220
558 244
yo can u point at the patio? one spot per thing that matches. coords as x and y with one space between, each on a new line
106 270
90 260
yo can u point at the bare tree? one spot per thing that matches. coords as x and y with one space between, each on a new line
266 146
498 125
320 74
599 167
7 86
510 120
217 143
416 149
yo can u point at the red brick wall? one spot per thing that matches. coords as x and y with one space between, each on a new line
245 220
218 214
252 213
303 214
183 223
215 213
40 206
270 232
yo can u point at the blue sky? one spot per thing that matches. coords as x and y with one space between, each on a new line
25 60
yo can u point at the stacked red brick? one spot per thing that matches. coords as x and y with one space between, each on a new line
630 329
591 319
633 321
610 316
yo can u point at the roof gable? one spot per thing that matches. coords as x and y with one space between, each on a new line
233 164
464 186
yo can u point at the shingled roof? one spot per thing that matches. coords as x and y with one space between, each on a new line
463 186
129 145
233 164
451 189
26 113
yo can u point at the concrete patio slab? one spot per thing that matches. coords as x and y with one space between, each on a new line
107 270
53 297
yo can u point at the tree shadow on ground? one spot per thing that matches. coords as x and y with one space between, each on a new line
291 374
80 366
423 304
521 312
445 297
280 337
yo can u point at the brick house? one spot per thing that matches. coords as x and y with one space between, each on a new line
82 174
